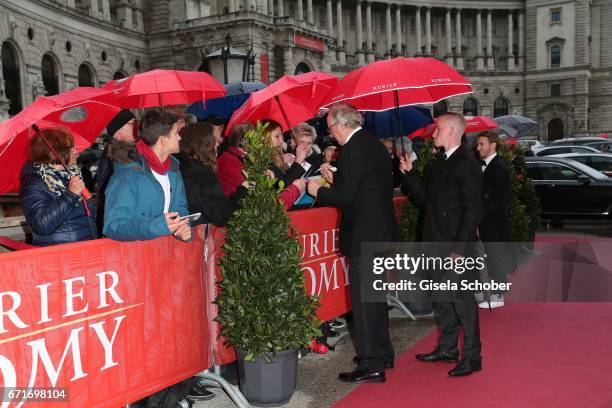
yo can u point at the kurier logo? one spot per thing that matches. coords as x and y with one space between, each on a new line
438 80
384 86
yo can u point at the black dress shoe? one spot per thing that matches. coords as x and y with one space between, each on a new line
388 363
437 355
198 392
466 367
362 376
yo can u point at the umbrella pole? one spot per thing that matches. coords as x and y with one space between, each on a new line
399 118
85 192
282 110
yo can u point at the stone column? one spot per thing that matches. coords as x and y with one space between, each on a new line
369 50
124 14
93 8
309 12
281 8
232 6
490 61
329 19
139 19
459 50
428 31
358 26
510 41
70 3
418 31
271 8
521 39
388 40
288 61
449 36
479 56
341 50
398 30
300 10
106 10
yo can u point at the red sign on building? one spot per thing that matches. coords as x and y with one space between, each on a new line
264 62
309 43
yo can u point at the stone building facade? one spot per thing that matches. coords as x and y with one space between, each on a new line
550 60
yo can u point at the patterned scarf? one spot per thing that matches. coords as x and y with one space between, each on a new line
57 180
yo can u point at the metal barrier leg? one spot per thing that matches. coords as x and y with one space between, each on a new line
232 391
395 302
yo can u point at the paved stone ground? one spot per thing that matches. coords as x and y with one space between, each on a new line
318 385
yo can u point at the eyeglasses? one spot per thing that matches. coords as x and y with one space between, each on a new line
332 125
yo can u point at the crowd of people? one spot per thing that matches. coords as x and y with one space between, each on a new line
158 169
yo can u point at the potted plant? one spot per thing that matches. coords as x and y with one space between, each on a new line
264 309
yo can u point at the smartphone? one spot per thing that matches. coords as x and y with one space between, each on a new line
191 217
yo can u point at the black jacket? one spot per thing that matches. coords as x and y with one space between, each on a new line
451 197
204 193
363 189
495 190
54 219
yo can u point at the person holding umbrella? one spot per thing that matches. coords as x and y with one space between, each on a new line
363 189
50 195
452 199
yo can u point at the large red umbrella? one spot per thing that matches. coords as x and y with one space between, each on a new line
289 101
85 111
165 88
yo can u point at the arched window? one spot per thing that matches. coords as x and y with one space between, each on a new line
50 75
85 76
439 108
470 107
555 129
500 107
301 68
12 80
119 75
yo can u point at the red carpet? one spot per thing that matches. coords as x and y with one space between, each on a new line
537 355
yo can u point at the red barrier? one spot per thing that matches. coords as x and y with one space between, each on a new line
111 321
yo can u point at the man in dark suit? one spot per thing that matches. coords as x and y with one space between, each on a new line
494 226
363 188
452 199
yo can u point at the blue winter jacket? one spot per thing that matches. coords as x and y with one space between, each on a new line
134 208
54 219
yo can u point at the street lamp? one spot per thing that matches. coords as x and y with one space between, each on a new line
230 64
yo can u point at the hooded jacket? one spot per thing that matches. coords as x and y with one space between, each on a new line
134 205
54 219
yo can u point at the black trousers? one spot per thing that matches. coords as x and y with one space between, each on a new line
451 317
370 324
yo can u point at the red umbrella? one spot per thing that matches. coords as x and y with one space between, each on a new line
165 88
398 82
289 101
479 124
84 111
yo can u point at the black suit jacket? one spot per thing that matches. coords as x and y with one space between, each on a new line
495 190
363 189
451 197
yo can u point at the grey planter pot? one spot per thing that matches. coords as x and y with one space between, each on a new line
268 384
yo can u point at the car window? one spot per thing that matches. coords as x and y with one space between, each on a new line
554 171
578 149
601 163
556 150
533 171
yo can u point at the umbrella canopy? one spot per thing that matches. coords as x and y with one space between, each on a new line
386 124
395 82
289 101
479 124
521 124
237 94
85 111
165 88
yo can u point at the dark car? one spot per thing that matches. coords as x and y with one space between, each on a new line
604 146
577 141
600 162
549 150
569 189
